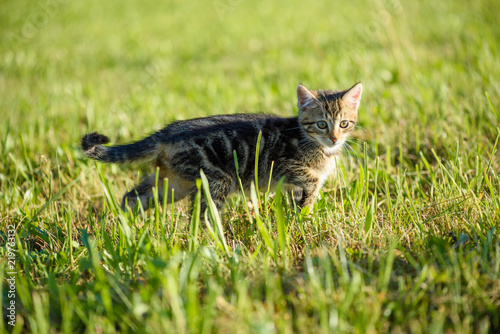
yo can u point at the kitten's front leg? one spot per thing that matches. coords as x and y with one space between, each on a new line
304 192
220 188
309 193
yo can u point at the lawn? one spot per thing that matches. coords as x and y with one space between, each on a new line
404 237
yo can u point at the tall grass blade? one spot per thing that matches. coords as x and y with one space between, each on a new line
214 215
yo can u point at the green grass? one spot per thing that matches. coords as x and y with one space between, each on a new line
404 237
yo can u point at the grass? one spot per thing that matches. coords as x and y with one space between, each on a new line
404 237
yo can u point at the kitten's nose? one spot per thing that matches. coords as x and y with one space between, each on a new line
334 139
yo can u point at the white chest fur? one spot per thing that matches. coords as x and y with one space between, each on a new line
328 169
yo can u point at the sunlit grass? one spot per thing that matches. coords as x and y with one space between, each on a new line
403 238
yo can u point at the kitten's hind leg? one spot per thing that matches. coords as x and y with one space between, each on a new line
142 192
220 188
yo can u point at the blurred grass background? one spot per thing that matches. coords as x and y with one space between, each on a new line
428 178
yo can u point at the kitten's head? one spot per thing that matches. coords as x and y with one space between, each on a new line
328 117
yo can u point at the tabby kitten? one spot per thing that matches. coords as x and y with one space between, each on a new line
302 148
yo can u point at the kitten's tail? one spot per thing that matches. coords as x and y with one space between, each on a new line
92 147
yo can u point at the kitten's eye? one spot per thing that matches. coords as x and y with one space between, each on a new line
321 125
344 124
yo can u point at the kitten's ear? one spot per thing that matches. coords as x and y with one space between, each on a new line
352 96
305 97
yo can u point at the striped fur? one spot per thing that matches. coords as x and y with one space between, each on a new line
300 148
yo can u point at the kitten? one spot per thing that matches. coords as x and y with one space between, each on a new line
302 148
